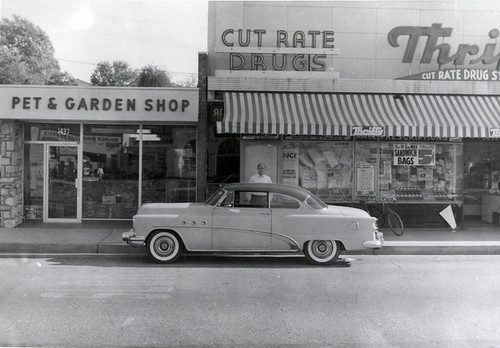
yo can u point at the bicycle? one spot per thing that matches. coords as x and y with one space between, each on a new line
386 213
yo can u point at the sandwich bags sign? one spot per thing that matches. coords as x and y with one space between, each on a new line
414 154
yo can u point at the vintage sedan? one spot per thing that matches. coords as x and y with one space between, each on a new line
253 218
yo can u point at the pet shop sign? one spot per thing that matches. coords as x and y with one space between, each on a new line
414 154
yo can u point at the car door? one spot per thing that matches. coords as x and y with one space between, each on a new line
287 221
238 225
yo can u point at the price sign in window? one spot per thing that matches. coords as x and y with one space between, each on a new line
414 154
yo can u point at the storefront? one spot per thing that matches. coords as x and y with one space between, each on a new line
372 103
70 154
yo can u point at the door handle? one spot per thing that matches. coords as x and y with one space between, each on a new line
76 183
262 213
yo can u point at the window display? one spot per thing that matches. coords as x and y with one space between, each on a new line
324 168
169 164
110 171
481 167
347 170
422 172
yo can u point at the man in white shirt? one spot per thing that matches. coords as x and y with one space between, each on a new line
259 198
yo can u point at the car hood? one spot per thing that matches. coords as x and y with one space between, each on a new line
163 208
345 211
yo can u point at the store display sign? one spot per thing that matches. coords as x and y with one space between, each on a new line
290 174
215 111
367 131
365 179
494 132
414 154
465 54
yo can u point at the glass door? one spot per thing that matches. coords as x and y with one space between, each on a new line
62 183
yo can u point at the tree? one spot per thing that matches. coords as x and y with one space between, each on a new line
152 76
26 54
116 74
12 69
61 79
191 82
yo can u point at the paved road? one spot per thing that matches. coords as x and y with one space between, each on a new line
361 301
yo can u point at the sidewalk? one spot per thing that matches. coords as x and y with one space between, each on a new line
103 237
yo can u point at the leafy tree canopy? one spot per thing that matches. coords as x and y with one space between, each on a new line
117 74
152 76
27 55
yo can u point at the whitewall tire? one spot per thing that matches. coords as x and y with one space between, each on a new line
164 247
322 252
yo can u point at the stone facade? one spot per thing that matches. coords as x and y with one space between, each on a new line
11 173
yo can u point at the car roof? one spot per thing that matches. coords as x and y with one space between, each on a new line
294 191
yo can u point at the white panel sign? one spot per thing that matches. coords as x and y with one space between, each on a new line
99 103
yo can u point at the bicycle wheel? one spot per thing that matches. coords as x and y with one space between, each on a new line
395 222
377 213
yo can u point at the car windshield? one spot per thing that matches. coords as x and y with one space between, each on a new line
213 199
315 203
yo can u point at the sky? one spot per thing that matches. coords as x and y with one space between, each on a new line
165 33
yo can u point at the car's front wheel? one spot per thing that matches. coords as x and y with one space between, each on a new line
321 252
164 247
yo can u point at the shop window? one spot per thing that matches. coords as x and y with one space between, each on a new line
481 170
223 162
110 171
33 181
169 164
263 154
324 168
413 172
343 171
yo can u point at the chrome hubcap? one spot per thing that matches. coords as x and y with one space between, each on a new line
322 248
164 246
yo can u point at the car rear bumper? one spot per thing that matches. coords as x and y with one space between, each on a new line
376 242
132 239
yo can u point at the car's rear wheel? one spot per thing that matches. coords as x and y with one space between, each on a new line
322 252
164 247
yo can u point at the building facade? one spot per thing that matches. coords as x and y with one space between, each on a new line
75 153
371 101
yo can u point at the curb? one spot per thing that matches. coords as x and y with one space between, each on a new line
439 247
438 250
26 248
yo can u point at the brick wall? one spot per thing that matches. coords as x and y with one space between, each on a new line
11 173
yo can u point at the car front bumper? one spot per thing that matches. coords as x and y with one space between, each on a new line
132 239
376 242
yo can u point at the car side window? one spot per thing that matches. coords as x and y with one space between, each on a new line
228 201
247 199
280 201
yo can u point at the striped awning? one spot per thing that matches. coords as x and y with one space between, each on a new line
344 114
455 116
310 114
